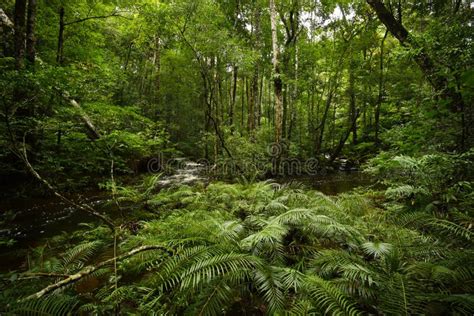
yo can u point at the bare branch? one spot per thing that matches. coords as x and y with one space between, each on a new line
113 14
90 269
85 208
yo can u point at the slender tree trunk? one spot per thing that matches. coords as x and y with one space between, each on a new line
259 102
253 112
157 63
242 108
344 138
6 31
353 105
59 52
322 125
276 74
234 96
285 107
293 110
381 90
251 107
30 32
19 27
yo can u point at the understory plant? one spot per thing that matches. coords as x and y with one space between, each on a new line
260 248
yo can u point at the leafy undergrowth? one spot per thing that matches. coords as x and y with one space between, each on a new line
265 248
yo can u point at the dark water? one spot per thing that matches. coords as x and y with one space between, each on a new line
28 221
335 183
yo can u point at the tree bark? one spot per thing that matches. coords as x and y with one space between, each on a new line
30 32
431 71
343 139
234 96
322 125
353 105
92 131
6 31
381 91
19 27
276 75
59 52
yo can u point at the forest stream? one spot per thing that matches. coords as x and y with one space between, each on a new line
250 157
35 219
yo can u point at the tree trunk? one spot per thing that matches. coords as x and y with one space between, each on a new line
251 106
352 102
381 91
234 96
276 74
92 132
6 31
30 32
431 71
242 108
344 138
259 102
321 126
19 27
59 53
157 64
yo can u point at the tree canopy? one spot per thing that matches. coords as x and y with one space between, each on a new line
98 94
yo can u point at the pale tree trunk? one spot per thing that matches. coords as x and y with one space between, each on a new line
6 31
276 74
381 90
157 64
242 103
234 96
92 132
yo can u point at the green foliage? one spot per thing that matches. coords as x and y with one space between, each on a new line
196 77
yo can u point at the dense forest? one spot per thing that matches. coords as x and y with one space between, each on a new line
236 157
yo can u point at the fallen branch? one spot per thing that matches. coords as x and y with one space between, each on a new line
93 132
113 14
5 20
28 276
85 208
88 270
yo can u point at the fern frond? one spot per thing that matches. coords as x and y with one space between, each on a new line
53 305
76 257
377 249
270 286
450 228
328 299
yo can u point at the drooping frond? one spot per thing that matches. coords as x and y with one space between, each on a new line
328 299
76 257
270 287
50 306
